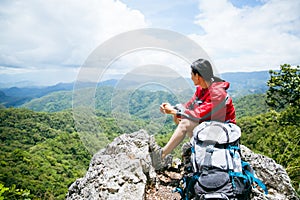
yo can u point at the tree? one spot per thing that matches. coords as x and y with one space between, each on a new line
13 193
284 87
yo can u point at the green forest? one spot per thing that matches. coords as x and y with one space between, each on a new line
42 153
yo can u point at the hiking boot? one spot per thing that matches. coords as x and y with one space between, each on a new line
186 157
156 156
186 150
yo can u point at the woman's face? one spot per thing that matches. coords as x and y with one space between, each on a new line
198 80
195 78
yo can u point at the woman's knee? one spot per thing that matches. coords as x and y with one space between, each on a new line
184 124
187 126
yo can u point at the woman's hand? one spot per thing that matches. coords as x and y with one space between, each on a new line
176 119
167 109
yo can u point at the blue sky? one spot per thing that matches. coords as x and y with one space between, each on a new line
46 42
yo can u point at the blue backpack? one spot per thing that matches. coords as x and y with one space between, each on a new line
216 170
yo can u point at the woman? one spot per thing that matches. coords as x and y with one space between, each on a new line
210 102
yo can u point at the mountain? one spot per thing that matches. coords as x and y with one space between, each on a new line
40 152
250 105
53 102
36 91
110 82
242 83
16 84
15 96
9 101
141 103
3 96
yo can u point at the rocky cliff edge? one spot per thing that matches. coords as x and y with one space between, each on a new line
123 170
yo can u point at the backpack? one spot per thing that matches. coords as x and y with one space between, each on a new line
216 170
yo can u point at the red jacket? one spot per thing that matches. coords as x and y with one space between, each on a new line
212 103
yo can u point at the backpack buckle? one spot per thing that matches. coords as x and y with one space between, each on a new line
210 149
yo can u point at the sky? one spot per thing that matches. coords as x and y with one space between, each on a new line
47 42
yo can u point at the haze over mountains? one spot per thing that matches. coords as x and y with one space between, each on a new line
242 83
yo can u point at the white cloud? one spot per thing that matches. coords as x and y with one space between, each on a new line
250 38
54 36
57 33
142 48
146 58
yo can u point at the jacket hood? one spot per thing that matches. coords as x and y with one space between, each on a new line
225 85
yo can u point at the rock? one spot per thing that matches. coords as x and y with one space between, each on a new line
120 171
123 170
272 174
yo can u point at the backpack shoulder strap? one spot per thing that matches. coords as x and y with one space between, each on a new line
252 177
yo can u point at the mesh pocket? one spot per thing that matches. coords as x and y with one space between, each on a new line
214 181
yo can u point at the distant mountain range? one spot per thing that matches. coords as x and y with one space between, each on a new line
242 83
15 84
16 96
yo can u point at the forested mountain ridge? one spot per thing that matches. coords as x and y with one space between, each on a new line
42 152
140 102
246 83
242 83
16 96
53 102
250 105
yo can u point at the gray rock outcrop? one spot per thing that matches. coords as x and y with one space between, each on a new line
120 171
123 171
272 174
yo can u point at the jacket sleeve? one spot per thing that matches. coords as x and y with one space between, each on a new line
214 104
200 112
191 101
